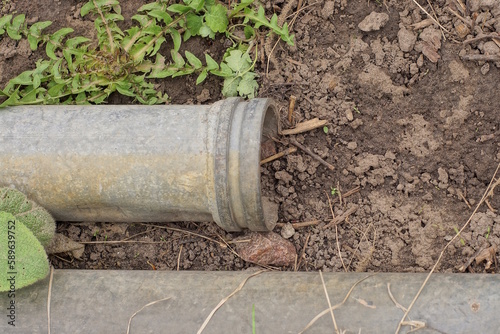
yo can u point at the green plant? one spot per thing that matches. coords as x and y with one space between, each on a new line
325 129
488 231
253 319
81 71
462 241
333 191
26 229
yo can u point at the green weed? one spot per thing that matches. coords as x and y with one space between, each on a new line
81 71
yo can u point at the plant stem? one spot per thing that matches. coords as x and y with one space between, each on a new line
108 31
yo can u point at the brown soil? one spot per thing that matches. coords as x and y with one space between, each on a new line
411 122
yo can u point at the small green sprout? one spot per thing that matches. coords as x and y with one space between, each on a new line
333 191
325 129
488 233
356 109
462 241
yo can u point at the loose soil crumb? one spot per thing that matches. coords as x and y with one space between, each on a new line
413 120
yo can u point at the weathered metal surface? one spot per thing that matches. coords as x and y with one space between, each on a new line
140 163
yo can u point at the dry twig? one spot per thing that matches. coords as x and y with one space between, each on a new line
49 296
179 258
335 306
490 187
142 308
303 250
341 218
312 154
188 232
329 304
278 155
432 18
291 108
207 320
481 57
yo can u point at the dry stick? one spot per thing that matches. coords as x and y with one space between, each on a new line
138 234
416 324
465 199
291 107
335 306
111 242
225 299
458 16
179 258
430 16
303 250
339 219
49 296
480 38
336 232
329 304
481 57
435 15
446 247
142 308
188 232
289 150
312 154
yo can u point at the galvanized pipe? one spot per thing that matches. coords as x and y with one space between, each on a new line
128 163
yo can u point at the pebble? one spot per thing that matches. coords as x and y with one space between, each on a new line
287 231
485 68
373 22
406 39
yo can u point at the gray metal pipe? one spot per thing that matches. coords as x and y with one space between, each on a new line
102 301
127 163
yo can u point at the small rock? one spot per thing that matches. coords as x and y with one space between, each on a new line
406 39
204 96
485 68
287 231
283 175
420 61
328 9
267 249
349 115
373 22
458 71
461 29
352 145
490 48
442 175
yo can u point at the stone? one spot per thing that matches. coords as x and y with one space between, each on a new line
406 39
267 249
287 231
373 22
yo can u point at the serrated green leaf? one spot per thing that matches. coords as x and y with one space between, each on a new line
87 8
193 60
238 61
33 42
194 23
58 35
211 63
49 50
216 18
4 20
230 87
22 79
183 72
177 58
202 77
176 38
177 8
142 19
249 32
75 41
248 85
124 90
205 31
162 15
150 6
197 5
157 46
